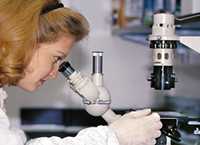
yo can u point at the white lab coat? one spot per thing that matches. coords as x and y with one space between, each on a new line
101 135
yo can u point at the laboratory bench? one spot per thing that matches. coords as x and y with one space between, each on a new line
40 122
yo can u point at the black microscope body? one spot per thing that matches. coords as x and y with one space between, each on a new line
174 126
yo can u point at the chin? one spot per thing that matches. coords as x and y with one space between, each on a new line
29 88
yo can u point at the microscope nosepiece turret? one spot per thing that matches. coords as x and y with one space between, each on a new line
163 77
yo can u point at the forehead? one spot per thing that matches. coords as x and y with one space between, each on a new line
62 44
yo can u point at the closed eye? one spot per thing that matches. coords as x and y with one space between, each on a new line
58 59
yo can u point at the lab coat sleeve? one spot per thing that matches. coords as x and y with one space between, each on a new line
101 135
8 135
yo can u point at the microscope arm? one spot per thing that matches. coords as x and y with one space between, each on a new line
190 18
192 42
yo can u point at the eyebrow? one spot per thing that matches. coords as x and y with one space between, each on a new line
64 55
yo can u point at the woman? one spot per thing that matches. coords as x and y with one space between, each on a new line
35 36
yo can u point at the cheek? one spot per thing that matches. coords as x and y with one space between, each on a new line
48 71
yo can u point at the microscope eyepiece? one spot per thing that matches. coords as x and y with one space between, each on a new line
97 61
66 69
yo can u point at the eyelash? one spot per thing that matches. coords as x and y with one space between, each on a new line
58 58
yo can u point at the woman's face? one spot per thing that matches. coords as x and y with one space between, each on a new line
45 63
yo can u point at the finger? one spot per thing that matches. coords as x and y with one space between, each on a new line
158 125
156 116
153 117
139 113
157 134
151 142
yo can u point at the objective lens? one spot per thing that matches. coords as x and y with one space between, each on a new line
162 78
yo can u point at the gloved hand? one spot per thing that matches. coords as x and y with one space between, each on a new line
137 128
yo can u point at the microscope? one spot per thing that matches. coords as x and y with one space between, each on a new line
163 41
97 100
95 96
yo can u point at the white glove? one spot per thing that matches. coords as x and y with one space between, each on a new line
137 128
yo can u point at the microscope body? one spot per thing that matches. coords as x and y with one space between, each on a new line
163 41
96 98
